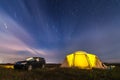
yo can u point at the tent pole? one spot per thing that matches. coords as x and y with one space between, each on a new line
74 60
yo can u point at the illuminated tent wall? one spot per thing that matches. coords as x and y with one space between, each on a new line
82 60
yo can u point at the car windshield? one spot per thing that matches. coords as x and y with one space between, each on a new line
30 59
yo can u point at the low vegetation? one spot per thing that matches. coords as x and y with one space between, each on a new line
60 74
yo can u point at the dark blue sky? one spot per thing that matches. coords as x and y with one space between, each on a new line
54 28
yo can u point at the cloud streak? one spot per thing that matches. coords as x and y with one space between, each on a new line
14 39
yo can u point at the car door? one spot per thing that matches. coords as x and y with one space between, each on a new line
34 64
38 63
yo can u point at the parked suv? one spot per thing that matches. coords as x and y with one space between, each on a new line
30 63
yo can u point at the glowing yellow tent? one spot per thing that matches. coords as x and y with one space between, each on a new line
82 60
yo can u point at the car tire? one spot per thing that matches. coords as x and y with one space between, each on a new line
43 66
29 68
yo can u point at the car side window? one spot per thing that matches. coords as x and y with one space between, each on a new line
37 60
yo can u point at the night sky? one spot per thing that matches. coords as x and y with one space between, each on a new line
55 28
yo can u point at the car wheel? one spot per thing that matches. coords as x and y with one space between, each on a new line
43 66
30 67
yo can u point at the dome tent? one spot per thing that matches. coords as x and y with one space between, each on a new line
83 60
